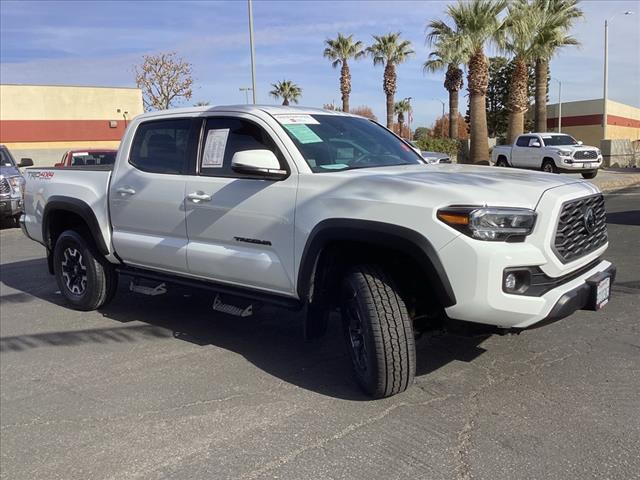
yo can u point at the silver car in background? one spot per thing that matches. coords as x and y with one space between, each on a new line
435 157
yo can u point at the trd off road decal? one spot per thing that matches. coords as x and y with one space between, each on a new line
45 175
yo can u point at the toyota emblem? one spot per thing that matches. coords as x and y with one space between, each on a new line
589 220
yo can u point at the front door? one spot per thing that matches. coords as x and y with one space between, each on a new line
240 228
146 197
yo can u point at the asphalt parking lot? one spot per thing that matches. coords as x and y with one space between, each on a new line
163 387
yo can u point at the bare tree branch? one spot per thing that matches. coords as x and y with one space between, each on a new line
164 79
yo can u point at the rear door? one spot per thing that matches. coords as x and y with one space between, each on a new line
240 228
146 197
520 151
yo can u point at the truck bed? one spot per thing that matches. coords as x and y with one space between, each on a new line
83 186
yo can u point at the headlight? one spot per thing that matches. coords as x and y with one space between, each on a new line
17 183
565 153
490 223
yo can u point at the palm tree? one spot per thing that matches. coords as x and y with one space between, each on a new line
340 51
518 38
557 18
477 23
447 54
389 50
287 90
400 108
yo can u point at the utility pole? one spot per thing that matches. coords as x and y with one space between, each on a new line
253 52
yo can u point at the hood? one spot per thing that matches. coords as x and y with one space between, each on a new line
9 171
453 184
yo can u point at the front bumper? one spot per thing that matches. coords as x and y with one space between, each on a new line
10 207
475 270
579 298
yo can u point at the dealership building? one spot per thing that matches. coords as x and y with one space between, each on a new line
43 121
619 141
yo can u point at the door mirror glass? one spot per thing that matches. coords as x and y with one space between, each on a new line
25 162
262 163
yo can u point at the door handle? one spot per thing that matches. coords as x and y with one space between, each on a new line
125 191
197 197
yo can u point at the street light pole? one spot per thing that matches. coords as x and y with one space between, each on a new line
246 93
253 52
408 99
559 104
606 74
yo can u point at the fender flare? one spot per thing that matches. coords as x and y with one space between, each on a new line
380 234
58 203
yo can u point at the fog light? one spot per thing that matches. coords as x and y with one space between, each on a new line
516 280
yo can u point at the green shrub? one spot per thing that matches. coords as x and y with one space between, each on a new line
445 145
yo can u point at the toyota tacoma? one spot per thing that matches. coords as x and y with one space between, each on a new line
319 211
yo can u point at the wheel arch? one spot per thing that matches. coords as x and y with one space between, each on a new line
380 237
62 213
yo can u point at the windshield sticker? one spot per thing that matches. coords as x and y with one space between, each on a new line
303 134
296 119
214 148
80 154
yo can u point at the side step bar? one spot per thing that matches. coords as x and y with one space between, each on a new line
256 295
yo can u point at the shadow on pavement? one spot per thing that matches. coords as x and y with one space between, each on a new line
629 217
271 339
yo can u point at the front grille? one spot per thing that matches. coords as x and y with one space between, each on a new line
5 188
576 236
585 155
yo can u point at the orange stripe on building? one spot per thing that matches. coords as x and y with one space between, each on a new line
596 119
59 130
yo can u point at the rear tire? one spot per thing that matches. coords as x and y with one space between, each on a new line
589 175
378 332
549 166
85 278
502 162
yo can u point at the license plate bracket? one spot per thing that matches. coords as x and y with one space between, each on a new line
600 284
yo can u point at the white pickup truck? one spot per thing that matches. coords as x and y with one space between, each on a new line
317 210
549 152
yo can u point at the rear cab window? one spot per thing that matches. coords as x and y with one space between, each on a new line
162 146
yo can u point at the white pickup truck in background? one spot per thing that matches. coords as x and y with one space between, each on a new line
549 152
316 210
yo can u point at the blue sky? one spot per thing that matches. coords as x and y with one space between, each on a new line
97 43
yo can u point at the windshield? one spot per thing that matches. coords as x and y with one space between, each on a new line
556 140
335 143
5 159
93 158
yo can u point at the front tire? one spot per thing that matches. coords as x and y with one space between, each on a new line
590 175
549 166
84 277
378 332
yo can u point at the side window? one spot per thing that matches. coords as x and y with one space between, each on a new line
223 137
523 141
161 146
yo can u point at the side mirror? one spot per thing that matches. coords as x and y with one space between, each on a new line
261 163
25 162
59 164
579 142
535 144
